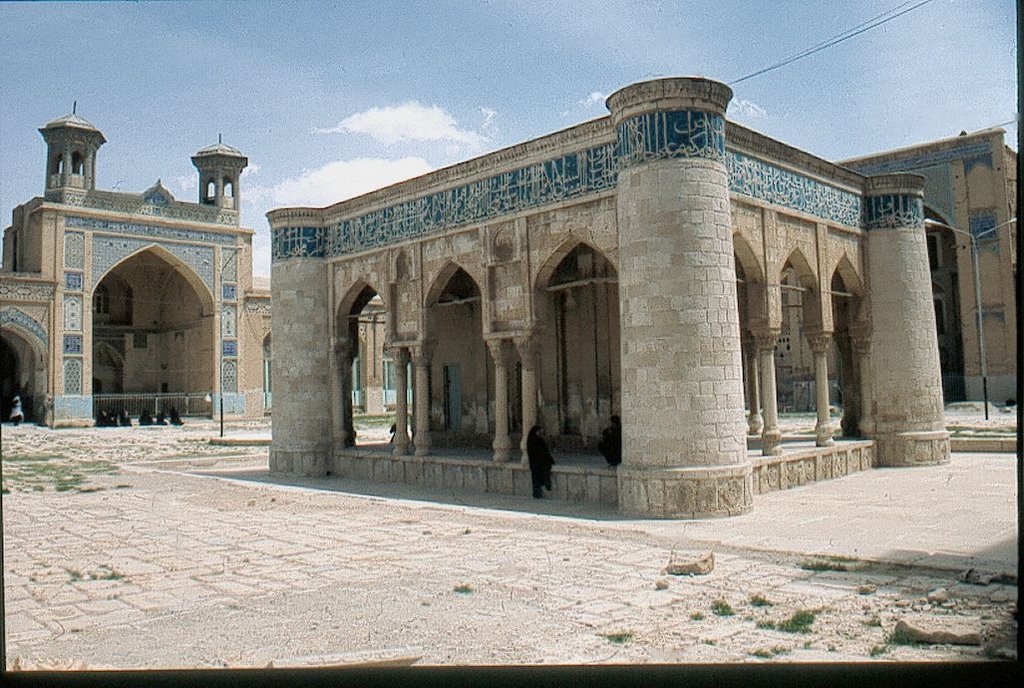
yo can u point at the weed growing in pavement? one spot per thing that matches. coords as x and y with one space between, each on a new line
109 574
760 601
463 589
831 564
878 650
709 641
619 637
722 608
697 616
74 574
768 653
799 622
874 622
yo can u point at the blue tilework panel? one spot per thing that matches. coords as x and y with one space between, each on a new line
229 292
72 343
73 281
758 179
230 348
152 231
893 211
108 251
670 134
14 316
653 136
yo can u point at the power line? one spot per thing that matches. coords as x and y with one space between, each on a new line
875 21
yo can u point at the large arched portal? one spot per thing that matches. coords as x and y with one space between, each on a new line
22 373
580 365
153 335
360 319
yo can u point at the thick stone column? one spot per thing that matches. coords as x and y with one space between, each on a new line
401 357
421 395
771 436
906 382
754 422
823 427
527 347
301 423
860 346
502 444
684 431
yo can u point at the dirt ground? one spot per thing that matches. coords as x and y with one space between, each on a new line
148 547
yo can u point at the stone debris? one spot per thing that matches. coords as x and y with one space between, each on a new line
661 584
938 596
690 567
867 589
936 636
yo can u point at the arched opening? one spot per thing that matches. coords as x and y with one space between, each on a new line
229 193
580 370
210 192
57 164
750 307
77 163
942 261
794 360
22 374
460 373
361 317
845 368
153 337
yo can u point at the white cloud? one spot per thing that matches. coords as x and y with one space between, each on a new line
411 121
595 98
746 109
489 115
187 184
251 170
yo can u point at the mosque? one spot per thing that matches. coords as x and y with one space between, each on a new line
657 264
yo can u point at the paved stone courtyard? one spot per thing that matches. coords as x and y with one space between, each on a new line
150 547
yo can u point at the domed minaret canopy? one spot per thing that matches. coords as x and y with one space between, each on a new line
71 145
220 167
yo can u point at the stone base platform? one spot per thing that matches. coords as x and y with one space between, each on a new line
581 477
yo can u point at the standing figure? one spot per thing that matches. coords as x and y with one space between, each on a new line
610 445
540 460
17 415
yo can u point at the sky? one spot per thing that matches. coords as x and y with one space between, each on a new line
333 99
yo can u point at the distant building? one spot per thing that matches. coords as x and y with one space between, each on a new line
112 300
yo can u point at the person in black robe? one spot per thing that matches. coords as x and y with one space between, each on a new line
161 419
541 460
124 420
610 445
145 418
175 418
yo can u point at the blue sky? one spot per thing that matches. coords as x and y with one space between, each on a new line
329 100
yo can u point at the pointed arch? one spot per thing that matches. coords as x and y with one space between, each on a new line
746 259
357 296
848 276
181 267
802 267
444 277
547 272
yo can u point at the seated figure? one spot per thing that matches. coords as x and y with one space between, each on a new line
175 418
610 445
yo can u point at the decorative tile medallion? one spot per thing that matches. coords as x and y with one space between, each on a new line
72 343
229 292
73 281
73 312
227 321
230 347
74 250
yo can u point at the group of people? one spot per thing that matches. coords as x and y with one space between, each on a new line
539 454
113 419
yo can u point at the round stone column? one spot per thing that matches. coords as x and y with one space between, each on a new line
905 379
301 422
684 430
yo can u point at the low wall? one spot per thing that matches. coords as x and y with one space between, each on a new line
810 465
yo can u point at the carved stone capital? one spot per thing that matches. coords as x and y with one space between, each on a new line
766 339
819 341
499 349
421 355
527 346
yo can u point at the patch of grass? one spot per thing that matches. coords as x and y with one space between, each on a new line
109 574
463 589
93 488
709 641
697 616
799 622
769 652
619 637
898 636
866 589
874 622
722 608
878 650
807 644
760 601
122 486
74 574
823 565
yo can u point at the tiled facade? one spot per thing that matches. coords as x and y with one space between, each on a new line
63 337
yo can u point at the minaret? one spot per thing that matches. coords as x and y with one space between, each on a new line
220 167
71 145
